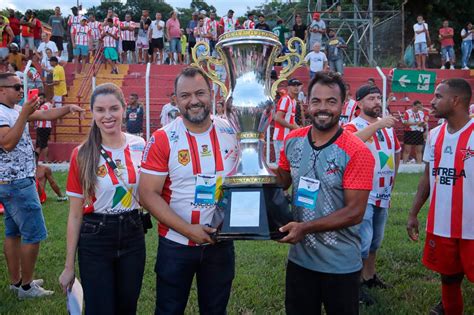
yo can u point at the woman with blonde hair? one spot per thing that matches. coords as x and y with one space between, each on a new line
104 224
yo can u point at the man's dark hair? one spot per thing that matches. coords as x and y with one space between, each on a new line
134 95
5 75
416 103
41 94
329 79
460 88
191 72
110 20
261 15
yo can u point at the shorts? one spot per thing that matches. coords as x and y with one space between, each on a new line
80 50
413 137
372 228
175 45
28 41
447 53
57 101
23 213
157 43
37 42
278 145
58 40
17 40
142 43
421 49
449 256
111 53
3 52
42 137
128 45
95 44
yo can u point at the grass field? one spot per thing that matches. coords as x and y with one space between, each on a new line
260 268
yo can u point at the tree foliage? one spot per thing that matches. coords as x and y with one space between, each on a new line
185 14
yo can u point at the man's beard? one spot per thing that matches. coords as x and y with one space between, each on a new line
333 120
372 113
199 118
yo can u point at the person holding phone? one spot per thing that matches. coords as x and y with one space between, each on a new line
24 222
104 224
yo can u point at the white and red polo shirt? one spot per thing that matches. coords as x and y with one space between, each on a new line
383 145
451 162
212 24
82 35
180 155
229 24
414 117
74 21
128 35
96 29
249 25
44 123
201 31
109 41
350 110
287 105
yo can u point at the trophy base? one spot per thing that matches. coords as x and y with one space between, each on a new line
253 212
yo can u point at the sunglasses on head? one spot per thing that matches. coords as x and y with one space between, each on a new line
17 87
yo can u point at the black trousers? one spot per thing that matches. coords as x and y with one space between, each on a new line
307 290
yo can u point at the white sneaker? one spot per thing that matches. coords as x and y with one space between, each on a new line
34 292
452 67
16 289
465 68
443 67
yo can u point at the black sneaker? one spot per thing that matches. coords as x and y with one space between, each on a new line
375 282
364 297
438 309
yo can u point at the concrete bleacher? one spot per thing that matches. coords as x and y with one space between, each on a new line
132 80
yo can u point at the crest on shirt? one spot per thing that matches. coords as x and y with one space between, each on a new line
101 171
205 150
467 153
332 167
183 157
119 164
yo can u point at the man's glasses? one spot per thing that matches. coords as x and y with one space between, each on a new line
17 87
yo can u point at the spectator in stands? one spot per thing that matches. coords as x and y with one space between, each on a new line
127 35
280 30
27 39
143 43
112 15
300 30
43 129
56 22
445 36
134 116
220 109
249 24
73 21
6 38
173 34
16 57
213 29
37 30
335 45
262 25
170 111
414 120
24 222
285 116
467 35
156 36
202 34
110 35
106 230
96 30
229 23
43 174
81 41
371 81
46 44
47 70
316 29
14 23
316 60
190 31
422 38
59 82
184 47
350 109
471 111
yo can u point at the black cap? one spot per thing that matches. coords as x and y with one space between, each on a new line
365 90
54 58
294 82
274 75
231 11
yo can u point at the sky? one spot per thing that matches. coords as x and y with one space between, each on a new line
222 6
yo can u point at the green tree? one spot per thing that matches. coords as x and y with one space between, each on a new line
185 14
43 15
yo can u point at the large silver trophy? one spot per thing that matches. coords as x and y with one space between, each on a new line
253 205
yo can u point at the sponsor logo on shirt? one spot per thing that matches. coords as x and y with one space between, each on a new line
447 175
102 171
183 157
228 130
137 147
174 136
467 153
148 146
332 167
205 151
119 164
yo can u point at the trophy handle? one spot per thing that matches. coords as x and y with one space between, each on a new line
204 62
292 64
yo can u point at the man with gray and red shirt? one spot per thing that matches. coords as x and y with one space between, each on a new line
331 173
446 35
380 138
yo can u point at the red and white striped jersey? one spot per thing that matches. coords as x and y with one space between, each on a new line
200 31
174 152
115 21
109 41
350 110
383 145
229 24
74 21
212 25
451 163
287 105
82 35
96 29
249 25
44 123
415 117
128 35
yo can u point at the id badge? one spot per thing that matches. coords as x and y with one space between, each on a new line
307 193
205 189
